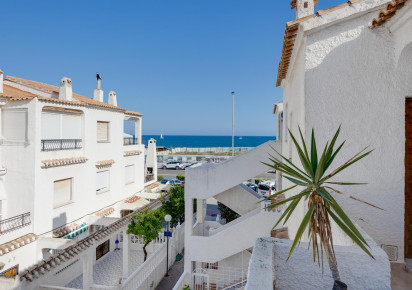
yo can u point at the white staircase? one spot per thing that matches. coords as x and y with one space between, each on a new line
223 182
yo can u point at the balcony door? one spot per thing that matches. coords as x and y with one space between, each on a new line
408 178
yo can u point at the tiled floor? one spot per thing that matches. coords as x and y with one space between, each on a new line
108 270
400 278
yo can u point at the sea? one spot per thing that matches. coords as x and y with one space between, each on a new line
207 141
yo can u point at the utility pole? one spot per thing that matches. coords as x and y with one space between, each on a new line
233 124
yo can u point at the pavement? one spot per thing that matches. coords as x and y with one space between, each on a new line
170 173
400 278
175 272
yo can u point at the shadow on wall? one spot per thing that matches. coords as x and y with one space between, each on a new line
59 221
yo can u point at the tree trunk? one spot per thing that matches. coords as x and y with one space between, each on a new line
144 251
333 265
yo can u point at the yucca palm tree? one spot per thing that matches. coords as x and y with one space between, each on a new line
317 192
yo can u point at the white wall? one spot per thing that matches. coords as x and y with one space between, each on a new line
269 267
85 198
354 78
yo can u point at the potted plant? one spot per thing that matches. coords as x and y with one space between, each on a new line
318 190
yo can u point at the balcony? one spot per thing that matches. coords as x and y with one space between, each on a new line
14 223
60 144
130 141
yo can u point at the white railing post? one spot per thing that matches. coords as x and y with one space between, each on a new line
87 270
126 245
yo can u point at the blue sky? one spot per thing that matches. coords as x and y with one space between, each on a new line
174 61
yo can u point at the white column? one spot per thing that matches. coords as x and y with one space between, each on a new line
126 245
87 270
188 231
200 211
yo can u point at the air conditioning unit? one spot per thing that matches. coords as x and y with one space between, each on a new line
391 251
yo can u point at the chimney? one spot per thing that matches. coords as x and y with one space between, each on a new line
112 98
304 8
98 93
65 92
1 81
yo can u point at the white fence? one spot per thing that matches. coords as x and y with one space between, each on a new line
150 273
183 281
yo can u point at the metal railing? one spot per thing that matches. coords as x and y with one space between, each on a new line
14 223
60 144
130 141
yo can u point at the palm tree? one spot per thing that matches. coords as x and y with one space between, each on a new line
317 191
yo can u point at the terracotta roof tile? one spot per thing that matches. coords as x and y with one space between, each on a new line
131 153
153 185
133 113
291 32
389 12
63 161
17 243
11 92
105 212
102 163
77 99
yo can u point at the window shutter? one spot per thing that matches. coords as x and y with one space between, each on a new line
50 126
102 180
129 173
14 124
102 131
71 126
62 191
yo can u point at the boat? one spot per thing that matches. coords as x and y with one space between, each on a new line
240 138
161 136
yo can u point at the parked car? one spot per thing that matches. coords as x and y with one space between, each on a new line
251 185
173 165
266 188
171 181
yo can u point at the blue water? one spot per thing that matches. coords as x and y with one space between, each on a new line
207 141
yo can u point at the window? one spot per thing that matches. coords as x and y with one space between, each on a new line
102 131
62 192
60 126
129 173
213 266
102 181
102 249
14 124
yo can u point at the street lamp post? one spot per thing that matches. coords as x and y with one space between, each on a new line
168 218
233 124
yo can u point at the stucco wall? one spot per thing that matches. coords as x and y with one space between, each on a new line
269 267
85 199
354 78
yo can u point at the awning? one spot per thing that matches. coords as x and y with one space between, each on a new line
149 195
83 228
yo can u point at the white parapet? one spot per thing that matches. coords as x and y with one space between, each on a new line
208 180
269 267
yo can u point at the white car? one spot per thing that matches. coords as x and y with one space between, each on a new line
267 188
173 165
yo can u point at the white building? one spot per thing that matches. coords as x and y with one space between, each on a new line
349 65
68 169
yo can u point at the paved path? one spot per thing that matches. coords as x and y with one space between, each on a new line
175 272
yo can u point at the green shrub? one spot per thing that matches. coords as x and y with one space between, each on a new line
159 177
180 177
